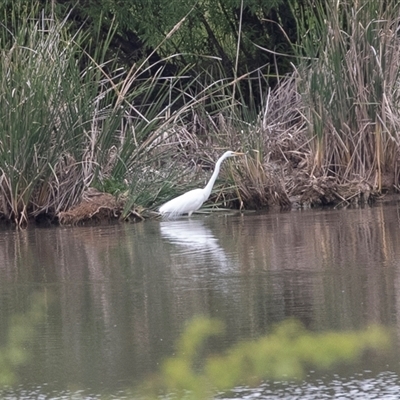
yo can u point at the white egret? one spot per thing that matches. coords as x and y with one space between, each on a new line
191 201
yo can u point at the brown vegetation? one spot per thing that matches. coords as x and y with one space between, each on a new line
325 134
95 207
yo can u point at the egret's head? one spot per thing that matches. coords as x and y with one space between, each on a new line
230 153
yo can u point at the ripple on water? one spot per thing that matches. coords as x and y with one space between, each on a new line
42 392
384 386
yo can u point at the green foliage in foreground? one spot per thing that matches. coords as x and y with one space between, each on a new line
284 354
21 330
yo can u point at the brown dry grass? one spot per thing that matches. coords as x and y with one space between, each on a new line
326 135
286 163
95 207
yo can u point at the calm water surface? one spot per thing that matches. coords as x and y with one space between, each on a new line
117 297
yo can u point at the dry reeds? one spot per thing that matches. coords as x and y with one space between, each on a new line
71 121
327 134
350 87
331 129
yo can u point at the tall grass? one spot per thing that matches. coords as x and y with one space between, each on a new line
70 120
50 112
329 132
350 86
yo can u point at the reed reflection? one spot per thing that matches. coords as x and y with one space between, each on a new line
122 294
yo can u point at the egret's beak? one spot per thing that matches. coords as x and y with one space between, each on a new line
239 154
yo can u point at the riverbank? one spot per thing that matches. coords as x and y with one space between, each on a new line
103 208
83 137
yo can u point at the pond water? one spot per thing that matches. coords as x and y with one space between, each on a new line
116 298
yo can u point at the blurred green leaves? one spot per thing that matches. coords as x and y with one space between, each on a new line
14 353
285 353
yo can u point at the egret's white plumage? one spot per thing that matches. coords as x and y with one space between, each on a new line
191 201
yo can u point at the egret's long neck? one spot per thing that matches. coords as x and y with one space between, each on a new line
210 184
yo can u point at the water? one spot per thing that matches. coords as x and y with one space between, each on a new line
117 297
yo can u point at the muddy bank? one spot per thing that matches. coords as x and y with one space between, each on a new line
99 208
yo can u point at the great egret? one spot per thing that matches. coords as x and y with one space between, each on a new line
191 201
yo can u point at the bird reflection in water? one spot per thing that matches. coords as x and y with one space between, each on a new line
201 250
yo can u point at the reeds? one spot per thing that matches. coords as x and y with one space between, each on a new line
349 81
50 112
328 133
71 121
